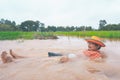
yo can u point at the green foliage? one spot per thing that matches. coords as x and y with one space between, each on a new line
5 27
112 27
102 24
16 35
103 34
52 28
29 25
9 35
48 35
26 35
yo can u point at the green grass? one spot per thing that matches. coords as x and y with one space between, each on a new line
34 35
103 34
24 35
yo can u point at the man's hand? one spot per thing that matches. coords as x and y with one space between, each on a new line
64 59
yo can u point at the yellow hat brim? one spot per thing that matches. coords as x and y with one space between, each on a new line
96 42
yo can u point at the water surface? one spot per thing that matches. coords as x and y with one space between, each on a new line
40 67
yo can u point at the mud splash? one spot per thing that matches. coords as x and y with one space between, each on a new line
39 67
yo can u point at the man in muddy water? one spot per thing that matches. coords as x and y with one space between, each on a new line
93 53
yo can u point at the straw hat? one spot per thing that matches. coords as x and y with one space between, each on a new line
96 40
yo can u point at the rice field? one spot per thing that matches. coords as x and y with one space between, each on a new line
34 35
103 34
24 35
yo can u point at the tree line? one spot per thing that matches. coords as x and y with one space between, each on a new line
108 27
30 25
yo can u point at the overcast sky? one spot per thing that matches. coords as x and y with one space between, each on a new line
62 12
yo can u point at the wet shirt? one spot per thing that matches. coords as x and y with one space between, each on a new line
93 54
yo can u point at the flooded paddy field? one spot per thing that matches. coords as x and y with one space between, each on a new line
38 66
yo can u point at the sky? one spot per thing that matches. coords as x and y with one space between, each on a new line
62 12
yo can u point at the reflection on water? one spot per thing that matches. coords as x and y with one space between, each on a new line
41 66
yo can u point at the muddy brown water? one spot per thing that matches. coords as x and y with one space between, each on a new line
38 66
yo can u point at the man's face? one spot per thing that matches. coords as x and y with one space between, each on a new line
92 46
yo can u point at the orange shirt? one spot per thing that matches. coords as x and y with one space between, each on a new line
92 54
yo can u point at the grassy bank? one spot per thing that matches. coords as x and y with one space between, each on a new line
26 35
51 35
103 34
15 35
